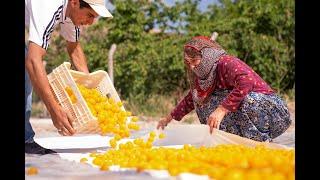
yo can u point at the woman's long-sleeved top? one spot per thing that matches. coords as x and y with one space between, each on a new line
232 74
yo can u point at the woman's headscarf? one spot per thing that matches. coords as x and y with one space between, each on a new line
202 77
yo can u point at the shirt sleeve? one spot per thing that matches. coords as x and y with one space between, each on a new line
69 31
42 22
238 76
184 107
36 31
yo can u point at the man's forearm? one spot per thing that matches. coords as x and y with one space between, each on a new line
77 56
38 77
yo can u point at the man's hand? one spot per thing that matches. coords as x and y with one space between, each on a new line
164 122
216 117
38 77
62 121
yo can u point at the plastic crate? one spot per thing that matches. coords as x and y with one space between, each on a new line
62 77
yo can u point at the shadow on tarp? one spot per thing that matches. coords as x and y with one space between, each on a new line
82 150
198 135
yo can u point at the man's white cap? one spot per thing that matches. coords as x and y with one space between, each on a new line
99 7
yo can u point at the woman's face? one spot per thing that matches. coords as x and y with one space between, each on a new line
192 57
192 62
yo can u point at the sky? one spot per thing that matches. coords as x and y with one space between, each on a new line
203 4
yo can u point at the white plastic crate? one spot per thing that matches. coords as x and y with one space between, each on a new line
62 77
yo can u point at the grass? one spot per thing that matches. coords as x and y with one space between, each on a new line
155 106
289 96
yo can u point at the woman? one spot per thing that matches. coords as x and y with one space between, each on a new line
228 95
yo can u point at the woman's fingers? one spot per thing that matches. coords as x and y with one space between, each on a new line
218 124
164 122
215 124
211 122
161 124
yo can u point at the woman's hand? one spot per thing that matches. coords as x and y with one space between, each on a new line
164 122
216 117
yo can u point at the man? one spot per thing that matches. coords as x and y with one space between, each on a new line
41 17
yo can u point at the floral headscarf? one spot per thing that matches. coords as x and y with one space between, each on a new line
202 77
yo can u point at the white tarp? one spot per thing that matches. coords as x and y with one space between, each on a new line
73 148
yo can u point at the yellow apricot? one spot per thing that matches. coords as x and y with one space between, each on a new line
83 160
32 171
161 136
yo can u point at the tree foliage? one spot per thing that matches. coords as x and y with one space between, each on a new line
260 32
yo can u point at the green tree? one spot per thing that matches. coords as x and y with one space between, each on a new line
259 32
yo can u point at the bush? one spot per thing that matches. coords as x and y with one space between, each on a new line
146 64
